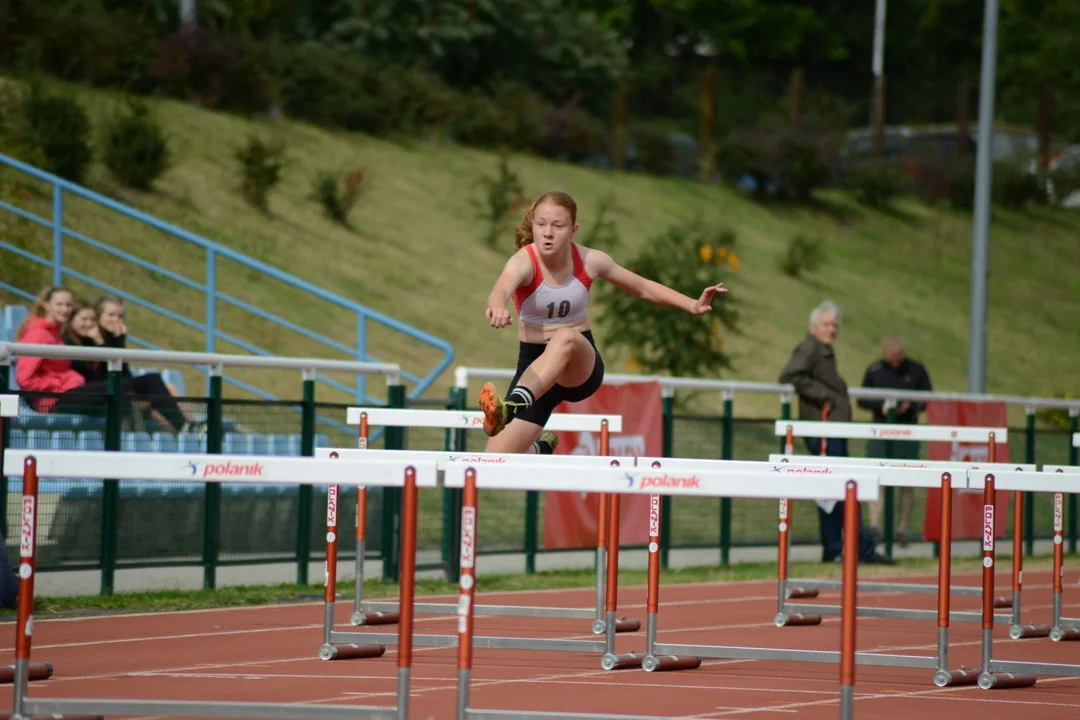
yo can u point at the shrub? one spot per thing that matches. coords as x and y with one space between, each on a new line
877 184
136 150
261 165
803 254
780 161
60 129
215 71
652 150
667 340
1016 187
503 198
338 196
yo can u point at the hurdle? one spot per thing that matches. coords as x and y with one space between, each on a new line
639 480
9 407
32 464
1061 629
439 461
869 431
916 477
385 613
1001 674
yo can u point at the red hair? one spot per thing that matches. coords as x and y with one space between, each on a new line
523 235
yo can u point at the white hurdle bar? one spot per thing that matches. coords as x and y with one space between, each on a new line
1008 673
698 482
1076 439
32 464
385 613
790 429
9 406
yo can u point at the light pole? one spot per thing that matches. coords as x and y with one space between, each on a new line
877 112
980 246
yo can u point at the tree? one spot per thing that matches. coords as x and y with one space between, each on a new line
687 258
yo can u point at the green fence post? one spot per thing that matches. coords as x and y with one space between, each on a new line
668 400
110 489
887 511
785 414
451 515
1029 497
726 439
304 495
5 442
391 509
1074 427
212 490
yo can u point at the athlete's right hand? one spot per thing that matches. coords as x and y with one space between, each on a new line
499 317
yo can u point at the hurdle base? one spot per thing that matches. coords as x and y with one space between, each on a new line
963 676
1002 603
374 618
802 593
625 625
792 619
36 671
1004 681
667 663
1064 634
51 716
610 661
1025 632
350 651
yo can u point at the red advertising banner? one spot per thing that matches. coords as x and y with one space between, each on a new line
570 518
968 512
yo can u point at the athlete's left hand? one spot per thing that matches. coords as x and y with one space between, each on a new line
704 303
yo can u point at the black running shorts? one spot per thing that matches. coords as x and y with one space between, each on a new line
543 406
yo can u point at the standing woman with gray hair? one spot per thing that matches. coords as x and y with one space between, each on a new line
812 370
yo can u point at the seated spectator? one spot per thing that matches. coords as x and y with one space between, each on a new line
50 313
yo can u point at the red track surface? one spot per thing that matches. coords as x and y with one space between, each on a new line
269 654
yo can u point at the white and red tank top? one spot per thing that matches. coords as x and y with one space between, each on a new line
541 304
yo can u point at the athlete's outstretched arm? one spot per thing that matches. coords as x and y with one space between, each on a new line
516 273
650 290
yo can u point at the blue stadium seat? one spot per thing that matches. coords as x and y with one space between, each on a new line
135 442
38 439
163 442
233 444
256 444
277 444
293 442
192 443
63 440
13 317
91 440
18 439
322 441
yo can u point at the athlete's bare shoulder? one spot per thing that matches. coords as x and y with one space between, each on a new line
595 261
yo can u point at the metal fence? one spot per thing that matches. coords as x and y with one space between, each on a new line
96 524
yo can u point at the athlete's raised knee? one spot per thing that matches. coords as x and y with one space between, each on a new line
562 341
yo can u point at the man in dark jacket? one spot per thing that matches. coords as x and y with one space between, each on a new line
896 372
813 372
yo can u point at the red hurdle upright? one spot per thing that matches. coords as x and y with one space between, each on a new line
1057 632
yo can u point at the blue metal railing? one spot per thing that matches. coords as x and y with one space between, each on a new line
209 287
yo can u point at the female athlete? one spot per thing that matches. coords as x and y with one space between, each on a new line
549 278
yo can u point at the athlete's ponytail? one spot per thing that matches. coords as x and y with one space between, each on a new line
523 235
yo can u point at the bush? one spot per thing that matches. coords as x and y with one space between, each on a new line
261 165
60 128
339 198
804 254
136 151
503 198
877 184
214 71
1016 187
780 161
687 258
651 150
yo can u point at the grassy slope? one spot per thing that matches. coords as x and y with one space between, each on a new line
416 255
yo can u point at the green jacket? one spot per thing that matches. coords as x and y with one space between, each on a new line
812 370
